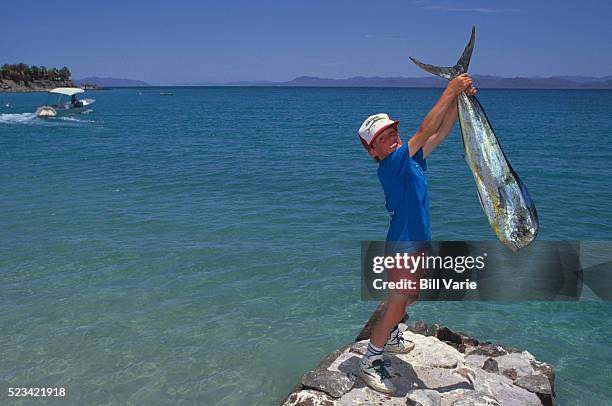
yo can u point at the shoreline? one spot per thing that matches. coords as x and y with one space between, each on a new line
39 86
10 86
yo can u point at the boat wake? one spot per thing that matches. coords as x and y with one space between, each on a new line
17 118
71 119
31 119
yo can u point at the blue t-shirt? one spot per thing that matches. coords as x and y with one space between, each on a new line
405 184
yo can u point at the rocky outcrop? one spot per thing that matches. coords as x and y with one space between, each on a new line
444 368
7 85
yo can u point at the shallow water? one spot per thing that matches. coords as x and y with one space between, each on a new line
204 247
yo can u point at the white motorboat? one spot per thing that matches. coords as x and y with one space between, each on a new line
65 102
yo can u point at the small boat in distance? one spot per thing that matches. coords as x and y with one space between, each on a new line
166 94
66 102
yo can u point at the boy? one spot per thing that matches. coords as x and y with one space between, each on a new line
401 173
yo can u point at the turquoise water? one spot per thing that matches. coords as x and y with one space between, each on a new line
204 248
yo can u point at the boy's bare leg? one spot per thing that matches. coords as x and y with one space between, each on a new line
372 366
394 313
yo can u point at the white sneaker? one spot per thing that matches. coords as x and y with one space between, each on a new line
399 344
376 376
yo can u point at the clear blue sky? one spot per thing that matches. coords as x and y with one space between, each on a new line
188 41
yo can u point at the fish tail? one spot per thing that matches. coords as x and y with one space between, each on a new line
451 71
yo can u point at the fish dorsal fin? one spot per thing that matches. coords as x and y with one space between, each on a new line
451 71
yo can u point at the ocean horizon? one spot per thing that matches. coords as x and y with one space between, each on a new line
204 248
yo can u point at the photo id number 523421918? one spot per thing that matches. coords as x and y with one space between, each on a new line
20 392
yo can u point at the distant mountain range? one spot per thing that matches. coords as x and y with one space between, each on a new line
110 82
482 82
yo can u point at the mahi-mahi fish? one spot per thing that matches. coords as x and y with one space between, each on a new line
503 197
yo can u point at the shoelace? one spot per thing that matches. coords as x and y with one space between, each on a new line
382 371
399 338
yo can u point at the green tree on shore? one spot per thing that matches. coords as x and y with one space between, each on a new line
23 73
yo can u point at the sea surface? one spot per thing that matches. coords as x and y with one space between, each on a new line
203 248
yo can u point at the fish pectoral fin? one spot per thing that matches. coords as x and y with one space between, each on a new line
502 199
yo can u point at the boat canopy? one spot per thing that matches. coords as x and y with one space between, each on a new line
68 91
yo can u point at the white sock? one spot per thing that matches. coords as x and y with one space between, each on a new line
372 354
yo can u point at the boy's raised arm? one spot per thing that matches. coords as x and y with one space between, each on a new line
445 128
434 118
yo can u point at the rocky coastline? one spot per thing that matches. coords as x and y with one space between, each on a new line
41 85
444 368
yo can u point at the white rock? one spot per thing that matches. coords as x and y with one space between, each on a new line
502 389
431 352
432 374
520 362
463 397
424 397
309 397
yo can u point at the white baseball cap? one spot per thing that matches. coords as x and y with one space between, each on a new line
373 126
